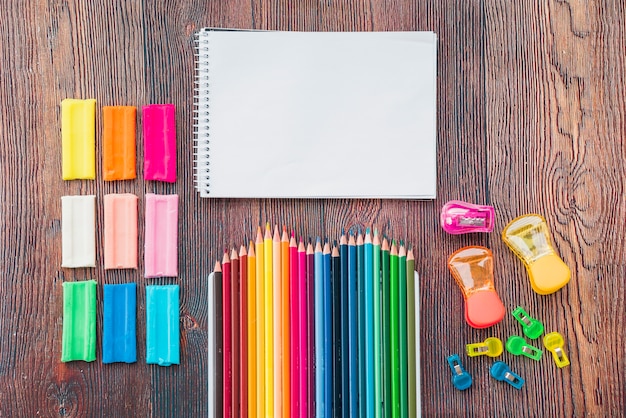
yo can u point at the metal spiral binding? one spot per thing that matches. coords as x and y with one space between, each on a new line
201 130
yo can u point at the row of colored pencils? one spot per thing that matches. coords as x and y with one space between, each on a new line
313 330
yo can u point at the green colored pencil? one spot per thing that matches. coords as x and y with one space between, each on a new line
402 296
410 328
394 311
386 329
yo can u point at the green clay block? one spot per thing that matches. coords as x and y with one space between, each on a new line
79 321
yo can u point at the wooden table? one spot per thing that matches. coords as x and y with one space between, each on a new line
530 119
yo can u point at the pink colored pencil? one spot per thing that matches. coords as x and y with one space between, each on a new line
303 358
293 327
228 354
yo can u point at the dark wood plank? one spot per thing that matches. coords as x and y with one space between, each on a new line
530 118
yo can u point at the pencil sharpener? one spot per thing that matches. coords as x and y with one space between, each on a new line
529 238
472 268
458 217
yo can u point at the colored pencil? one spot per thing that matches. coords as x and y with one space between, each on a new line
353 341
345 366
395 337
410 330
211 344
336 323
386 328
278 334
243 331
310 268
418 379
234 314
218 358
328 333
404 401
319 331
284 321
360 284
293 311
261 338
268 315
252 331
227 340
377 330
303 326
368 285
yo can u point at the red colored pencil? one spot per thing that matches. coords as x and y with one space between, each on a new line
227 340
234 312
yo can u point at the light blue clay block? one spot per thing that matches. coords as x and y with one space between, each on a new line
162 325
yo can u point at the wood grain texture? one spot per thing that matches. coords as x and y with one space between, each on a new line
531 118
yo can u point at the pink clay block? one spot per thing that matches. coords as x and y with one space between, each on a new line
161 255
159 133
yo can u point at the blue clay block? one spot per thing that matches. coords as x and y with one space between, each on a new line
119 341
162 325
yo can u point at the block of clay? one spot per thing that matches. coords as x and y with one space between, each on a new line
79 321
78 229
119 124
120 231
162 325
78 133
161 251
119 341
159 133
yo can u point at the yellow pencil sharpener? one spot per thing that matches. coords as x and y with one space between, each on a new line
529 238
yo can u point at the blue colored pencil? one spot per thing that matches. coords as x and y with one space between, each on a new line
369 324
328 335
352 329
320 407
345 365
360 280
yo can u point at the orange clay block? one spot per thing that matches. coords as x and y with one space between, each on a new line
118 142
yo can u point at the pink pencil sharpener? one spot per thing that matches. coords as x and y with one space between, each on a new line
458 217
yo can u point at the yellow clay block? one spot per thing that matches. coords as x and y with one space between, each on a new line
79 138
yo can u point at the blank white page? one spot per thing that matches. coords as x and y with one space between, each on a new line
320 114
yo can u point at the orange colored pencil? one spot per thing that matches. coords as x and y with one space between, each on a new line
268 289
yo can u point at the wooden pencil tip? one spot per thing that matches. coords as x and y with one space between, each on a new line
218 266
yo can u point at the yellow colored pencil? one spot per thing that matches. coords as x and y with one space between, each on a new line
268 319
278 352
260 336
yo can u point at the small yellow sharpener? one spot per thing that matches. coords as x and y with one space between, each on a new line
491 347
529 238
555 343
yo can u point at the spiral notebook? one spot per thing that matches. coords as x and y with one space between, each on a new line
315 114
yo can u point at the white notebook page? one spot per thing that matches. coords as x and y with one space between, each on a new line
321 114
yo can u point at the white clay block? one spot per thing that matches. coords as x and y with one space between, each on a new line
79 231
